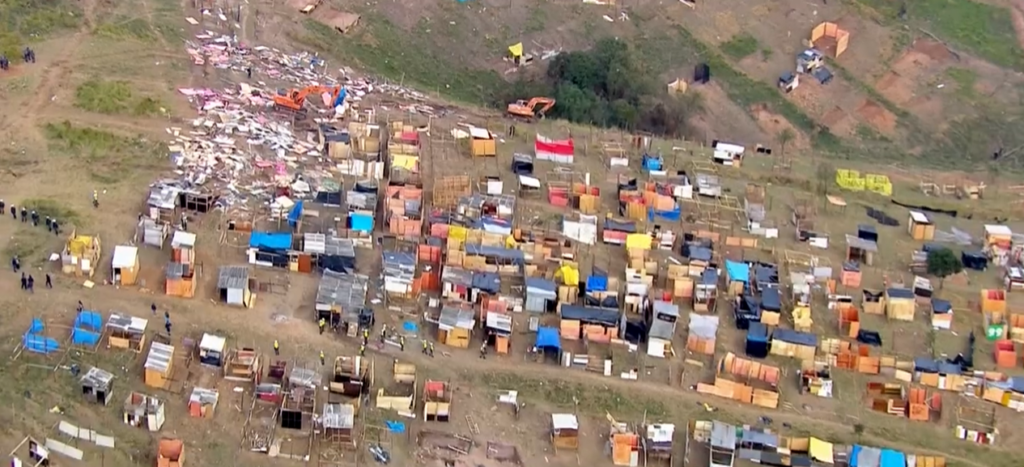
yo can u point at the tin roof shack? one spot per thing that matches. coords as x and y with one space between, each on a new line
158 370
920 226
701 335
659 443
351 380
97 385
455 324
81 255
202 402
151 232
126 332
662 322
338 423
721 439
498 326
180 272
141 411
362 206
595 324
899 304
170 453
211 350
437 401
705 291
329 252
400 395
243 365
162 204
565 432
399 274
457 284
269 249
125 265
233 286
340 299
861 251
794 344
540 295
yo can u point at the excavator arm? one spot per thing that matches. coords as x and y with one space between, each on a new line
296 98
529 110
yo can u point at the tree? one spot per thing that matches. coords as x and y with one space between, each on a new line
943 262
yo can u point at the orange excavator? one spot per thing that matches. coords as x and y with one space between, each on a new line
294 99
528 109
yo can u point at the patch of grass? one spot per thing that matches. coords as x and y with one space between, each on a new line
113 97
23 21
537 20
402 56
740 46
53 209
121 28
586 398
965 79
108 158
28 244
876 96
984 30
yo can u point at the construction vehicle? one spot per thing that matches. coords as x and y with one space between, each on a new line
293 100
528 109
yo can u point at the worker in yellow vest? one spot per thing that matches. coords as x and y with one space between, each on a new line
277 348
322 358
323 324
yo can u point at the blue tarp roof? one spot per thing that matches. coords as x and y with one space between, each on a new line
270 241
700 253
295 214
1016 384
766 274
487 281
548 338
361 221
597 284
737 271
795 337
941 306
589 314
757 332
709 277
620 225
771 299
497 252
891 458
541 284
900 293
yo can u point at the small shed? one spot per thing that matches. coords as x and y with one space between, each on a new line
242 365
998 235
145 411
942 314
338 423
126 332
662 322
233 286
722 444
152 233
499 331
540 295
97 385
795 344
899 304
455 325
211 350
158 367
860 250
125 265
81 255
170 453
181 270
920 226
1013 278
565 431
437 401
202 402
758 344
482 142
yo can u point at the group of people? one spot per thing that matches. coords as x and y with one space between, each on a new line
167 320
52 225
28 55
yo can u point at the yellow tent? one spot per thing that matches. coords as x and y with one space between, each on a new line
78 245
568 274
404 161
639 240
516 50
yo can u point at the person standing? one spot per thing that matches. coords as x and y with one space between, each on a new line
49 281
323 360
24 282
322 324
277 348
31 283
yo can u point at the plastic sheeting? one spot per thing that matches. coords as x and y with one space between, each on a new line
270 241
87 329
548 338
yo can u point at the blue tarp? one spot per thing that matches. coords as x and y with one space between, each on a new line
489 282
516 256
604 316
709 277
737 271
270 241
620 225
771 299
597 284
941 306
795 337
295 215
361 222
341 97
699 253
899 293
673 215
548 338
758 332
87 329
395 426
34 340
891 458
1016 384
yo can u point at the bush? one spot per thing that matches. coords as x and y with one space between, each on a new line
943 262
608 86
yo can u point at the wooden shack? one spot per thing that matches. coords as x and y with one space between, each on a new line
455 325
900 304
181 270
920 226
565 431
81 255
794 344
437 401
145 411
202 402
159 365
126 332
170 453
233 286
400 395
242 365
482 143
125 265
97 385
351 378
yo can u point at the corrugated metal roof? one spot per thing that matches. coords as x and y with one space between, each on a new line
723 435
454 317
127 323
233 277
338 416
159 358
97 378
347 291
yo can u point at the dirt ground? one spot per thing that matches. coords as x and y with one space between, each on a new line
283 312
